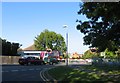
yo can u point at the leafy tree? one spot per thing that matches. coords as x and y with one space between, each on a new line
102 29
49 39
8 48
109 54
90 54
118 53
14 48
0 46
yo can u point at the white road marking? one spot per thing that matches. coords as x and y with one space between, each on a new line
44 76
41 75
31 69
23 70
14 70
4 71
38 69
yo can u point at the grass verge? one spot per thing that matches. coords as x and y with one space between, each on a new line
59 73
86 74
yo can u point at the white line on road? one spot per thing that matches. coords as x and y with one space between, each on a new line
41 75
31 69
45 68
38 69
23 70
44 76
14 70
20 70
4 71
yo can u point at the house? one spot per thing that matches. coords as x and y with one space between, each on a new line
76 55
32 47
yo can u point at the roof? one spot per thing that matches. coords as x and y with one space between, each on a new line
32 47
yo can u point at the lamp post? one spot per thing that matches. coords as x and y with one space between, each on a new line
45 40
65 26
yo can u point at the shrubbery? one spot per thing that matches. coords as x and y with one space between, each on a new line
89 54
109 54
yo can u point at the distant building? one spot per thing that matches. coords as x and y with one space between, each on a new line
32 47
29 48
76 55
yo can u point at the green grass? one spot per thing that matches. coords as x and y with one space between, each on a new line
87 74
59 72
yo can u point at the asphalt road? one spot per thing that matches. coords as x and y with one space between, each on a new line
18 73
27 74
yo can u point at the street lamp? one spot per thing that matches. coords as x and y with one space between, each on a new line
65 26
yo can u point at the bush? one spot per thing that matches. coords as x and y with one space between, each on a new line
89 54
110 54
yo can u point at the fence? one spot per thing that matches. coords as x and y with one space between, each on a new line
9 59
80 61
102 62
96 61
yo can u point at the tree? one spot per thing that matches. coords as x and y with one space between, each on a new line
102 29
14 48
109 54
49 39
90 54
0 46
9 48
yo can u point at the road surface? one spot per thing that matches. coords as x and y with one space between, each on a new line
27 74
18 73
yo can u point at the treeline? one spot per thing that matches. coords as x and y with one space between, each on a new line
105 54
9 48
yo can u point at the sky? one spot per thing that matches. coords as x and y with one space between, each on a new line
23 21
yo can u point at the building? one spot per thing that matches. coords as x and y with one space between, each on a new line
76 55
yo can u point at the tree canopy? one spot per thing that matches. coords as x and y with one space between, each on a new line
90 54
102 29
51 40
8 48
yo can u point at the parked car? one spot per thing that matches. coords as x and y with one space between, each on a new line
30 60
53 60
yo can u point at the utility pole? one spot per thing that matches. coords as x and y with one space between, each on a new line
65 26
